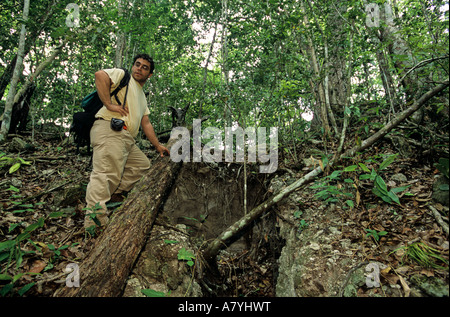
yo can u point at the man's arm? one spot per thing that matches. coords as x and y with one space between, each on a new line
103 84
151 136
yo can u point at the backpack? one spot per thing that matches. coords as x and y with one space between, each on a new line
83 121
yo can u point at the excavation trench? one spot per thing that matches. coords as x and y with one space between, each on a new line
205 200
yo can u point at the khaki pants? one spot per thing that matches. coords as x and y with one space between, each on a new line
117 165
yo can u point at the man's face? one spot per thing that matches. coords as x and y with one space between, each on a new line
141 70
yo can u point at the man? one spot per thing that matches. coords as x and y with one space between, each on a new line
117 162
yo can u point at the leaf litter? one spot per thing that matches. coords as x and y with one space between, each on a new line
41 227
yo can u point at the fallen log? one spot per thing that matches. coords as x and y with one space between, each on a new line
212 249
105 269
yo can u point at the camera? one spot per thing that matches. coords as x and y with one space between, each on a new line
117 124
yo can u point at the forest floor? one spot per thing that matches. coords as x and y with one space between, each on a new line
41 224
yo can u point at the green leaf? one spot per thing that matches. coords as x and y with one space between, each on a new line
386 199
4 256
347 111
335 175
394 197
376 235
6 245
6 289
171 241
26 206
351 168
364 167
388 161
13 226
5 277
26 288
17 277
334 191
14 189
152 293
381 185
14 168
34 226
56 214
22 161
373 174
21 210
323 194
184 254
377 192
399 189
25 234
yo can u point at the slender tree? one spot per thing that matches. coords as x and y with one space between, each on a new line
16 75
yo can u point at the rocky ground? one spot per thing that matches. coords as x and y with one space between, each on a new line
370 249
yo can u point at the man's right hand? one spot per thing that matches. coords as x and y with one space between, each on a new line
116 108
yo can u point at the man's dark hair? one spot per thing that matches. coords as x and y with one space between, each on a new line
148 59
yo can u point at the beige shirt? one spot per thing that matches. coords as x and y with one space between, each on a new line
136 102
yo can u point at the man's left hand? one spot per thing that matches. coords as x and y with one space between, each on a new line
161 149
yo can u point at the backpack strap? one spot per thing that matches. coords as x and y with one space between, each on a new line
124 99
124 82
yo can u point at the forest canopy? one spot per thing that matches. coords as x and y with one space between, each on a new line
248 63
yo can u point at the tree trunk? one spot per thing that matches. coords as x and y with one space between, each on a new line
7 74
105 269
211 251
38 70
386 77
16 75
26 88
320 96
402 56
120 44
225 70
205 69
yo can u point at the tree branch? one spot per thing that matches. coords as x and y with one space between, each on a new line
422 63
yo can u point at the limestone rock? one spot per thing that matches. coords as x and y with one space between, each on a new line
440 195
160 269
19 145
